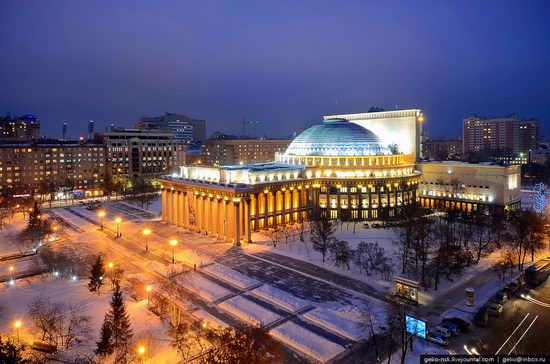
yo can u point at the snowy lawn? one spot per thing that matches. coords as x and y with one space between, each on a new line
231 276
248 311
210 320
192 257
11 228
203 287
306 342
280 298
335 322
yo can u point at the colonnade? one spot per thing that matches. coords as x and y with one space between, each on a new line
224 218
272 208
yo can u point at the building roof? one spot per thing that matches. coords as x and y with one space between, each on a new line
337 137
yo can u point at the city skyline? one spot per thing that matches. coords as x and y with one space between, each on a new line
284 65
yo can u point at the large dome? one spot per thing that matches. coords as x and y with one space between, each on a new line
337 137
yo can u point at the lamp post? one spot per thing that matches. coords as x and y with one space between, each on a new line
173 244
118 220
17 325
148 289
110 266
141 352
101 215
146 233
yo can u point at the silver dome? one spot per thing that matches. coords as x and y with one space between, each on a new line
337 137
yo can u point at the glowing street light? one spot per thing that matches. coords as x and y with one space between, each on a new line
148 289
118 220
101 215
111 265
146 233
173 244
141 352
17 324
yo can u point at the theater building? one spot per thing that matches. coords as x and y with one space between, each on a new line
337 169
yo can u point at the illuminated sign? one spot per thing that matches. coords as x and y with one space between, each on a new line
415 326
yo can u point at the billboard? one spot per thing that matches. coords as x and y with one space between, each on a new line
415 326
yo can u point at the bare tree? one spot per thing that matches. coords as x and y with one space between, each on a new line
340 253
189 338
322 235
274 234
368 323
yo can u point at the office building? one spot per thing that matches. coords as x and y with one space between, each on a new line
146 153
226 151
74 169
441 149
182 127
486 187
21 127
501 133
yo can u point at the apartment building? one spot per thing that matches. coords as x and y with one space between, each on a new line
219 152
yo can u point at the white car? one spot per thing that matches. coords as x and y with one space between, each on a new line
436 339
441 331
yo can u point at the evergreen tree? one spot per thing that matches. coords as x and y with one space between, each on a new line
322 236
96 275
10 353
121 332
34 221
104 345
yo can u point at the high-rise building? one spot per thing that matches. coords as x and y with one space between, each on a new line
64 132
73 169
21 127
135 152
182 127
500 133
221 151
90 129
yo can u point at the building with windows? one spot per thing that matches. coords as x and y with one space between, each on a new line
501 133
182 127
144 153
337 169
72 169
222 151
461 186
21 127
441 149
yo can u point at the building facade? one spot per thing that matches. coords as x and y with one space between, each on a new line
182 127
501 133
220 152
74 169
336 170
21 127
485 187
144 153
441 149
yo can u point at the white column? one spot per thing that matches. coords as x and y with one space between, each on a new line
237 225
164 205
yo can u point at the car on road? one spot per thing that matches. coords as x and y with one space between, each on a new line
481 317
437 339
81 203
495 309
500 298
511 289
376 225
453 328
462 324
441 331
366 225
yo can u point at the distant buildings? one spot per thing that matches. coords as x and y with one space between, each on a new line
441 149
62 170
223 150
460 186
20 127
539 156
146 153
501 133
182 127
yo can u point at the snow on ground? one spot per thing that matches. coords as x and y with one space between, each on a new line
306 342
210 320
203 287
331 320
280 298
155 207
193 257
12 226
231 276
248 311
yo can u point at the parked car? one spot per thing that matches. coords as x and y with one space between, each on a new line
463 325
453 328
500 298
437 339
495 309
81 203
511 289
376 225
481 317
441 331
366 225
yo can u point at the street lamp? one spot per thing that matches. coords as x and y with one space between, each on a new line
17 325
173 244
118 220
146 233
148 289
101 215
141 352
